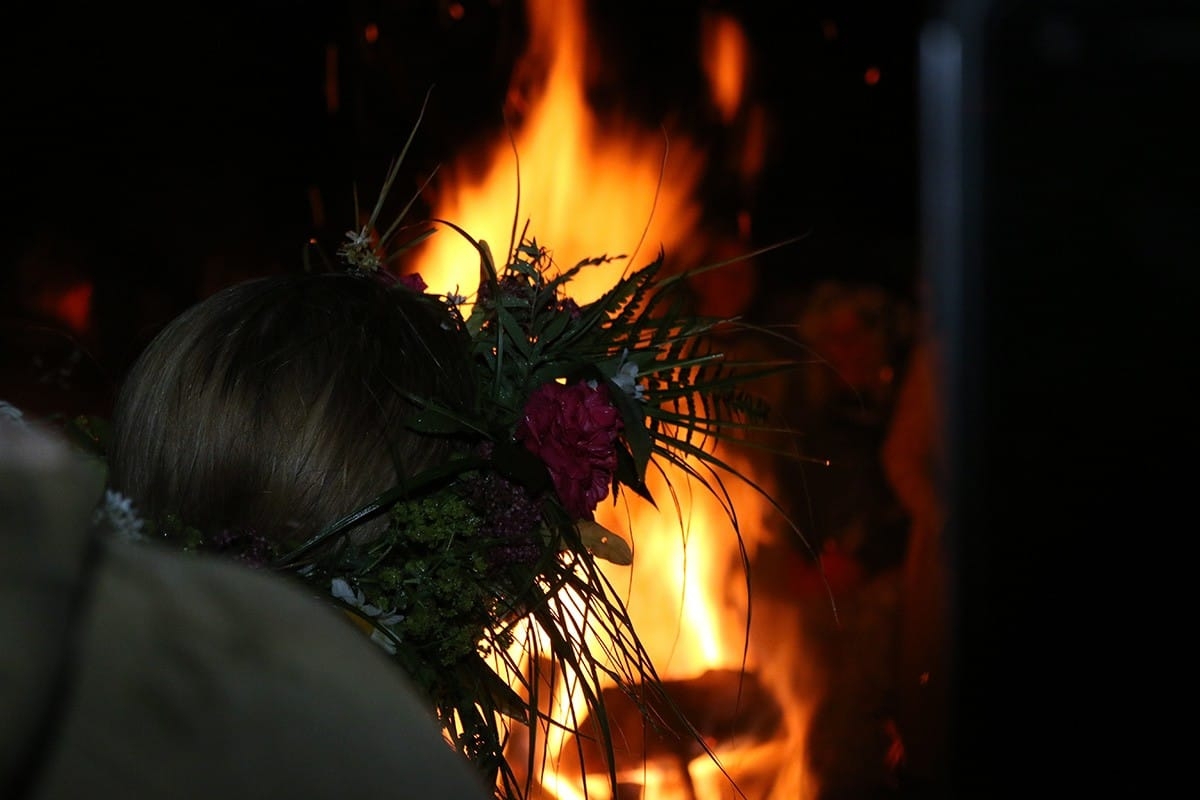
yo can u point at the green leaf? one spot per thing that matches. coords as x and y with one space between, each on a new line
628 475
546 338
634 432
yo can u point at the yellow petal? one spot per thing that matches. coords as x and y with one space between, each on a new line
360 621
603 543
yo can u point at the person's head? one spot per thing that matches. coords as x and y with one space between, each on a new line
278 405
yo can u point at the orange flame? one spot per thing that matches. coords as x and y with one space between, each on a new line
724 48
591 187
588 187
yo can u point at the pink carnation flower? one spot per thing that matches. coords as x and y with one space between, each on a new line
573 430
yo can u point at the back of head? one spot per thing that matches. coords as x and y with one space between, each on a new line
278 405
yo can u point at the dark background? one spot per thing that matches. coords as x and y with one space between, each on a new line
1061 229
140 144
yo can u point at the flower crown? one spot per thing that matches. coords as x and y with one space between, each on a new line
486 577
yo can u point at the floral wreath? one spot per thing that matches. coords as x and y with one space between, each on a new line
486 577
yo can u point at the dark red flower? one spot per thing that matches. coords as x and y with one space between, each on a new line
573 430
414 282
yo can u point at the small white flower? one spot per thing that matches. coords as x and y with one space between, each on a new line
358 252
341 589
627 378
358 238
118 512
383 640
391 619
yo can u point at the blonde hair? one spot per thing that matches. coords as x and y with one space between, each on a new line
278 404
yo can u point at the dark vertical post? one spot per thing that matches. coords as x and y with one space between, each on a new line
1062 240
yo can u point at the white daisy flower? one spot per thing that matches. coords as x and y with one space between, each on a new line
341 589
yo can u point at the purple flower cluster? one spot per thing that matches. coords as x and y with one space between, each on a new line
243 544
510 516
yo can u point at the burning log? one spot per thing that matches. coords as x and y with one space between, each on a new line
726 707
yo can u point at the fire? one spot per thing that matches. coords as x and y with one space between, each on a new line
591 187
725 63
588 187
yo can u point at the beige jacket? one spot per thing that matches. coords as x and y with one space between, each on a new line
171 676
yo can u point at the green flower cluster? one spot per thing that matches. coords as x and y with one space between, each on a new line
430 574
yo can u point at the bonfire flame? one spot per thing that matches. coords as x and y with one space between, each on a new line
587 188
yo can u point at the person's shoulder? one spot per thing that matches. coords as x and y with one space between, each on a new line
164 674
204 660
